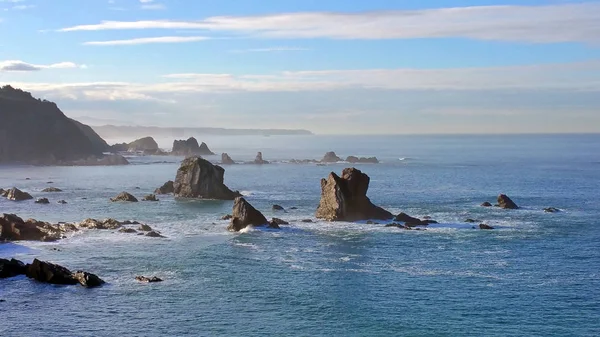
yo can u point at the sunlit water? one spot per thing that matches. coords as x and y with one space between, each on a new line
535 274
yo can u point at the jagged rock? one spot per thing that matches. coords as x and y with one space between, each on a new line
154 234
130 222
11 268
551 210
42 201
227 217
127 230
148 279
278 208
259 159
124 196
226 159
505 202
484 226
150 197
147 145
198 178
111 224
13 228
52 189
166 188
190 147
96 224
245 215
50 273
144 228
87 280
330 157
406 218
62 202
486 204
279 221
16 194
362 160
345 198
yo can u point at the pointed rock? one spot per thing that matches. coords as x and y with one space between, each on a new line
245 215
505 202
330 157
198 178
16 194
166 188
226 159
124 196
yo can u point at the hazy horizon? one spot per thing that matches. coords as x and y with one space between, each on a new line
347 68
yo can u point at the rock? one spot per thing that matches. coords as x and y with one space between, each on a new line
124 196
429 221
551 210
505 202
198 178
148 279
484 226
278 208
111 223
486 204
471 221
11 268
42 201
306 220
394 225
190 147
154 234
50 273
245 215
362 160
87 280
3 192
16 194
50 182
330 157
345 198
13 228
227 217
130 222
147 145
144 228
372 223
293 207
259 159
279 221
166 188
226 159
52 189
95 224
127 230
406 218
150 197
62 202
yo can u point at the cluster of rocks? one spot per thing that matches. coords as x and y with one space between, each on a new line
190 147
128 197
47 272
16 194
331 157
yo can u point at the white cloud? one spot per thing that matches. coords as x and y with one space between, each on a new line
153 6
267 50
15 65
147 40
576 22
146 1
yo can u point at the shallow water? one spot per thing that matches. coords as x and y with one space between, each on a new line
536 274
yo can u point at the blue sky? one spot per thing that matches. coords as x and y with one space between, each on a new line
378 66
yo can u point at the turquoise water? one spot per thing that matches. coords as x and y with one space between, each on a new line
536 274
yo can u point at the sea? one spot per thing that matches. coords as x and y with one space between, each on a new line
535 274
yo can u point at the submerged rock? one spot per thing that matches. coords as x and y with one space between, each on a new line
62 202
148 279
127 230
87 280
144 228
505 202
484 226
306 220
52 189
124 196
166 188
551 210
11 268
245 215
259 159
154 234
226 159
330 157
42 201
150 197
278 208
345 198
486 204
16 194
198 178
279 222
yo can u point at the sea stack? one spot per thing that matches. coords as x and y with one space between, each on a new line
345 198
198 178
259 159
245 215
330 157
226 159
190 147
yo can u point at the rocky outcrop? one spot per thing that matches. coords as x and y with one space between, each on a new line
278 208
47 272
279 222
154 234
345 198
16 194
13 228
362 160
330 157
87 280
144 228
484 226
226 159
198 178
127 230
11 268
150 197
42 201
190 147
51 190
166 188
147 145
245 215
124 196
486 204
148 279
505 202
35 131
259 159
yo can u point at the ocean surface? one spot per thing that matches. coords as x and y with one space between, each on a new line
536 274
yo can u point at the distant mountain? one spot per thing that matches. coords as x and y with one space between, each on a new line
112 131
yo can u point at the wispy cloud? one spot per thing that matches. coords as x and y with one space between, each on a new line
15 65
148 40
267 50
576 22
153 6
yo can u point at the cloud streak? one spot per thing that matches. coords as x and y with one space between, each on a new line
148 40
20 66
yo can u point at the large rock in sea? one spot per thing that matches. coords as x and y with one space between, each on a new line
505 202
16 194
35 131
330 157
226 159
345 198
11 268
259 159
198 178
13 228
147 145
166 188
87 280
190 147
124 196
245 215
50 273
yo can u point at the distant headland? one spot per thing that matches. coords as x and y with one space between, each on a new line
122 131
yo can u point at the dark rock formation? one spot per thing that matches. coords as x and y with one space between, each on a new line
259 159
36 132
150 197
278 208
279 222
13 228
245 215
190 147
306 220
345 198
147 145
127 230
198 178
362 160
166 188
226 159
52 189
227 217
87 280
505 202
16 194
551 210
144 228
50 273
486 204
96 224
11 268
154 234
148 279
484 226
120 147
62 202
403 217
124 196
42 201
330 157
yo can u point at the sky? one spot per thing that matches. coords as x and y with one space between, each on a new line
332 67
